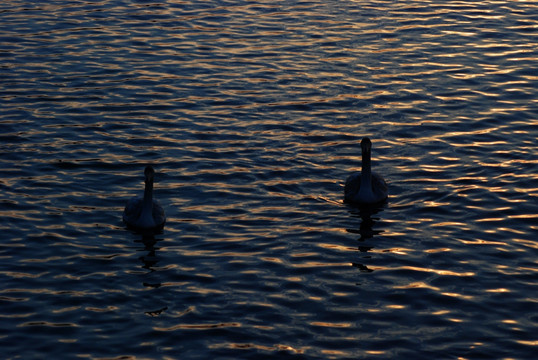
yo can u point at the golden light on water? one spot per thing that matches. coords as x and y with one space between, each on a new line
330 324
427 270
253 114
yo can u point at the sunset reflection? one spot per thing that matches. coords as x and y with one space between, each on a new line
253 112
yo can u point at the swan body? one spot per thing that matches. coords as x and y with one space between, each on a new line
145 213
366 187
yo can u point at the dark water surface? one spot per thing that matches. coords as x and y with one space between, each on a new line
252 113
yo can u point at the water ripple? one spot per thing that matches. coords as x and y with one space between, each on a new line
252 113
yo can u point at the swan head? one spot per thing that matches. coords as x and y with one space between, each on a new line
149 172
366 144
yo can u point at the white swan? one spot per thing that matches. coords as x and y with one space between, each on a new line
365 187
145 213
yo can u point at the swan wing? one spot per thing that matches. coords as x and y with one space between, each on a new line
158 213
379 187
132 210
352 187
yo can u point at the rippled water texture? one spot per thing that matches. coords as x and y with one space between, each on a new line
252 112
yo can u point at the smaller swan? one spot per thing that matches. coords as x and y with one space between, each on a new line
145 213
365 187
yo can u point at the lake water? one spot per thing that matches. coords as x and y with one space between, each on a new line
251 113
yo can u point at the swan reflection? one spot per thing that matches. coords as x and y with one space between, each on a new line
149 261
366 232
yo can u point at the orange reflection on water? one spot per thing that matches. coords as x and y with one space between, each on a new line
417 285
459 296
420 269
500 290
375 352
433 251
480 242
335 352
525 342
394 306
276 347
321 264
197 326
448 223
329 324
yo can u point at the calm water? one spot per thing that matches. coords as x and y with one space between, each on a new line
252 113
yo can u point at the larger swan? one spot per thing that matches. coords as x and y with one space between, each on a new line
145 213
365 187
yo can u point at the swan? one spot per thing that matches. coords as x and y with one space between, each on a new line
365 187
145 213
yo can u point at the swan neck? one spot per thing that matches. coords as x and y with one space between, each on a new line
366 165
366 193
147 203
